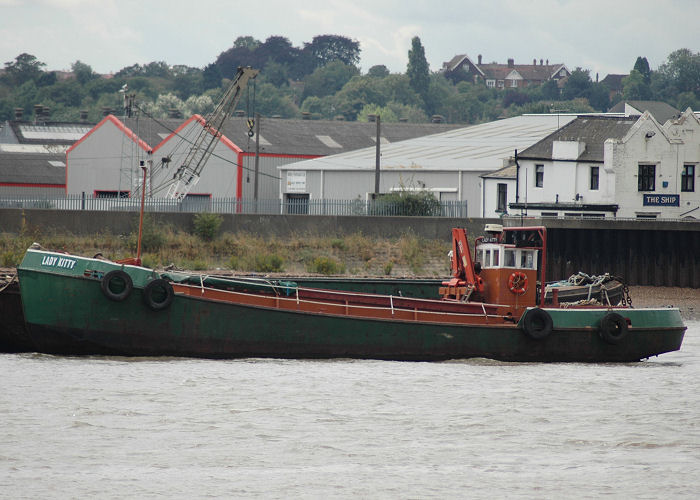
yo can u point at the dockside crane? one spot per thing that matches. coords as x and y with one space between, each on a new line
188 173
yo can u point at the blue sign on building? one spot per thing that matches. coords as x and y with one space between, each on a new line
662 200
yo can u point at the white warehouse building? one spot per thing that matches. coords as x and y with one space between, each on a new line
449 164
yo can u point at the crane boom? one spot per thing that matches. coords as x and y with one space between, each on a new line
189 172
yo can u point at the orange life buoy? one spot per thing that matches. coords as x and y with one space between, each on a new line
517 283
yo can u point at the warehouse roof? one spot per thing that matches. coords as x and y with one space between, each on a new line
482 147
32 164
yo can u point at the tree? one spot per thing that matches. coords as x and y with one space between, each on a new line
24 68
356 94
577 84
276 49
83 72
417 70
386 113
378 71
683 70
328 48
246 42
328 79
642 66
277 74
211 76
635 88
598 95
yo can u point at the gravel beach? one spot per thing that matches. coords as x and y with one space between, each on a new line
686 299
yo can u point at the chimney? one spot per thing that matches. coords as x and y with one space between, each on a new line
547 62
541 62
46 111
83 115
18 113
371 117
38 110
437 119
174 113
403 120
479 57
239 112
305 115
511 63
534 62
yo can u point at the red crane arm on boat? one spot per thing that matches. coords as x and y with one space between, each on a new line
462 263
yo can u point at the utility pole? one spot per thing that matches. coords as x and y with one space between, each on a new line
376 161
257 159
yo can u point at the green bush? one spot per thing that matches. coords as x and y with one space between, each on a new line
207 225
10 259
407 203
338 244
388 267
268 263
152 239
325 265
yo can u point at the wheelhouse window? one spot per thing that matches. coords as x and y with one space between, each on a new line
539 176
688 178
502 198
646 179
595 176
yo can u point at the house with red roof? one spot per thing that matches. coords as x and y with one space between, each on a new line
500 76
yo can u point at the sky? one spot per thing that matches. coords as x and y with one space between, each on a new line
603 36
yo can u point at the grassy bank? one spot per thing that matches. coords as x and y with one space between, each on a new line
207 249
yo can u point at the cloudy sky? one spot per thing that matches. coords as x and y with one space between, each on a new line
603 36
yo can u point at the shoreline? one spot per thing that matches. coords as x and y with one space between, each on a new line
686 299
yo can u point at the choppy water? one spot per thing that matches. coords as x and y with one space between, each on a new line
183 428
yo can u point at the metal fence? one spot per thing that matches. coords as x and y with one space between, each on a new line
233 206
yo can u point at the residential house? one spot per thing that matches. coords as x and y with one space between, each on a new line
614 83
510 75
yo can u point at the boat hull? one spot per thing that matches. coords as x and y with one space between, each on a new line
67 313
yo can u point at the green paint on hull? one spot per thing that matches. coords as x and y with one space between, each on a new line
67 313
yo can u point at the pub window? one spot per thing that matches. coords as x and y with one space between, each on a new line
595 173
688 178
646 180
502 197
539 176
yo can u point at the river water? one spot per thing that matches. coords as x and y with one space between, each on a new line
185 428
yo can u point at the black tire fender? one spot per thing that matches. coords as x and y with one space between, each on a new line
613 328
116 285
158 294
537 323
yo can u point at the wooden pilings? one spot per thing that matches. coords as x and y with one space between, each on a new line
640 256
